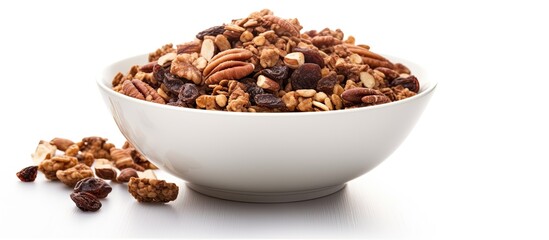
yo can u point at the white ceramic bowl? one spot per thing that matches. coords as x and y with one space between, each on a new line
263 157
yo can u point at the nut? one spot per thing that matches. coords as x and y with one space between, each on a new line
306 105
183 67
189 47
43 151
233 73
290 100
105 172
267 83
319 96
284 27
367 80
50 166
268 58
168 57
294 60
61 143
221 100
355 94
227 55
222 43
246 36
147 174
208 49
307 93
311 56
321 106
126 174
206 101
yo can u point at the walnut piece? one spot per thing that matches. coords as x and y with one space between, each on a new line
50 166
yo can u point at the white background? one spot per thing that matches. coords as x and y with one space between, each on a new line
475 166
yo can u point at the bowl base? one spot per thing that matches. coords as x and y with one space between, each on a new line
266 197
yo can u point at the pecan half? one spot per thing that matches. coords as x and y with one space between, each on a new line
228 55
141 90
284 27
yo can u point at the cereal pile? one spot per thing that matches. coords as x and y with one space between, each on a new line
71 163
263 63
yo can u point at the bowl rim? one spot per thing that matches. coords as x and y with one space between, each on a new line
431 85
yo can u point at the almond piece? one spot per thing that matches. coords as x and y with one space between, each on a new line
367 80
294 60
208 49
267 83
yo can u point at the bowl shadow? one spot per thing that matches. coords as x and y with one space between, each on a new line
196 215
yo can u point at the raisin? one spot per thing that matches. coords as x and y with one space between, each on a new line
96 186
248 81
27 174
188 93
277 73
306 76
269 100
213 31
158 73
326 84
311 56
409 82
254 90
173 83
86 201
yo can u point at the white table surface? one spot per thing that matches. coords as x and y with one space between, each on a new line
475 166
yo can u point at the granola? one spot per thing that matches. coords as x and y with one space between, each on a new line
275 61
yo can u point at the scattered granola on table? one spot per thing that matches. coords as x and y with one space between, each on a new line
264 63
71 163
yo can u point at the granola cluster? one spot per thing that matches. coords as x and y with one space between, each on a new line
264 63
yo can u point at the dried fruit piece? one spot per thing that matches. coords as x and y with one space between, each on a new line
277 73
27 174
213 31
268 100
409 82
188 94
95 186
152 190
326 84
306 76
86 201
